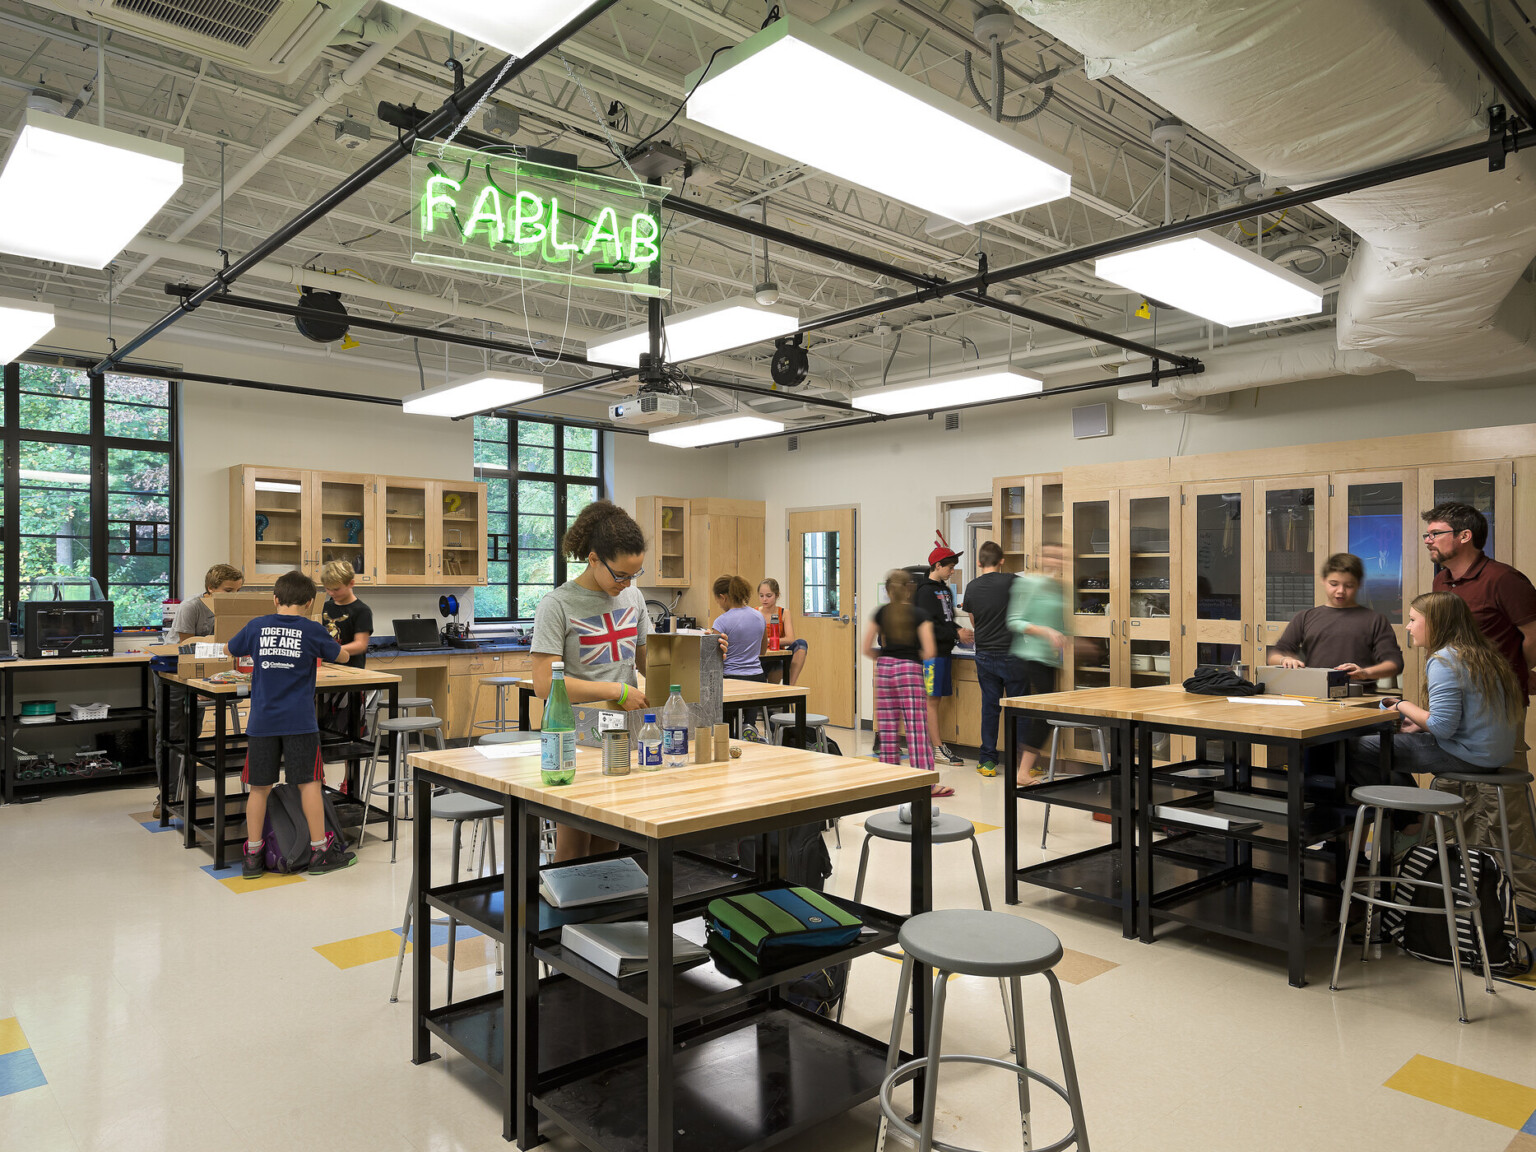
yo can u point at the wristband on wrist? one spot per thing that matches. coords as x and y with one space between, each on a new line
623 694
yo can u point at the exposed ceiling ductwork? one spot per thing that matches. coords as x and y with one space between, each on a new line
1310 90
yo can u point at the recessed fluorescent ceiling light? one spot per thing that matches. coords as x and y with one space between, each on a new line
76 193
702 331
1210 276
22 324
948 391
466 396
514 26
715 431
797 91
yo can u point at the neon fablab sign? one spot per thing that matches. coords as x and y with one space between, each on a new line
480 212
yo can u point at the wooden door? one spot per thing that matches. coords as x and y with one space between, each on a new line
1375 516
750 561
1289 547
820 593
343 523
402 511
457 522
1217 577
269 521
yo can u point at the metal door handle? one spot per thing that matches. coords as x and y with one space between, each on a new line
1112 627
842 619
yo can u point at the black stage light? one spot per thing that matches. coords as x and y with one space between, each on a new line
321 317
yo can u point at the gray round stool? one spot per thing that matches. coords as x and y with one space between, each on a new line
503 686
989 944
1378 800
459 809
778 721
399 783
946 829
1057 727
1501 780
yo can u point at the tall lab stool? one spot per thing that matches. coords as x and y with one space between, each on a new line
502 685
779 721
945 829
1378 800
546 827
1501 781
398 785
972 943
1057 727
459 809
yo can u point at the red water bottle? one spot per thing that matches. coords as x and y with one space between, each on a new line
773 636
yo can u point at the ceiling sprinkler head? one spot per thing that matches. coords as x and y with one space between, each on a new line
766 293
1012 296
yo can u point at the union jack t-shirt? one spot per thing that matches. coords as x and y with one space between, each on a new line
596 635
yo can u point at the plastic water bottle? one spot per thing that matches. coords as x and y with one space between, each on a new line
674 729
650 745
557 742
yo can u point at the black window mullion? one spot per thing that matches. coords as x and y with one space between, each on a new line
12 565
99 503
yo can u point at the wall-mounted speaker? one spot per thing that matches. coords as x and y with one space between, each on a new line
1089 421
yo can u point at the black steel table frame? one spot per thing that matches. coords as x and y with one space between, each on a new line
520 993
1122 813
1238 864
219 763
525 695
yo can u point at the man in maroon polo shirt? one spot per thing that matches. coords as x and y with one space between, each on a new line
1503 603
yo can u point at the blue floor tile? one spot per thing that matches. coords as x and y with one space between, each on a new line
440 933
154 825
19 1071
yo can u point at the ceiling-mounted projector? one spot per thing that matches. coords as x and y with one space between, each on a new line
652 408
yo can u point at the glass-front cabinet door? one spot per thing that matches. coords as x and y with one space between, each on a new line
270 530
1218 575
342 517
1289 549
1149 565
456 549
1487 486
1376 517
1013 505
1092 533
402 510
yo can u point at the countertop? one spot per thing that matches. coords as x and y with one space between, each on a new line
384 647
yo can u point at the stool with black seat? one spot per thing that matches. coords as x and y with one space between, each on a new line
398 785
945 828
1501 781
502 686
962 941
459 809
1378 800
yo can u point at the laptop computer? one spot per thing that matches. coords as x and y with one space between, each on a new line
416 634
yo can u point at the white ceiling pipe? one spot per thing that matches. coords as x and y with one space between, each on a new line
1257 364
394 26
850 13
1436 284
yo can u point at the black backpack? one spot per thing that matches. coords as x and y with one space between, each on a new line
1425 935
286 834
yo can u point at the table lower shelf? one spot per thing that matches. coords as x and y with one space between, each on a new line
1097 874
744 1085
1252 906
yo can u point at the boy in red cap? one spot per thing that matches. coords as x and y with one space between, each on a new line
936 599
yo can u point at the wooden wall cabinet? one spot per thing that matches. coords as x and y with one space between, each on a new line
667 524
408 532
727 540
1027 512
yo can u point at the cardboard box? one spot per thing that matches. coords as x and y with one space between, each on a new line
592 721
693 661
232 611
188 663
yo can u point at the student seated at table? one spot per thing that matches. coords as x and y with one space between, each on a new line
1466 721
1340 633
772 613
742 626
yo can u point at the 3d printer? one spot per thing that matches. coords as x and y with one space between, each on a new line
54 623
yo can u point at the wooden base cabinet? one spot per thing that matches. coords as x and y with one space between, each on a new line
960 714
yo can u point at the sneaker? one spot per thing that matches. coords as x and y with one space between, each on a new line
333 859
944 754
987 768
155 811
255 865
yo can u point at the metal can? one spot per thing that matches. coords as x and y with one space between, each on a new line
616 752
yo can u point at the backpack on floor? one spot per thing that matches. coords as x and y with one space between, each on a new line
1425 935
802 737
286 831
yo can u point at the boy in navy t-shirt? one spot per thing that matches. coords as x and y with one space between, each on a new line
281 729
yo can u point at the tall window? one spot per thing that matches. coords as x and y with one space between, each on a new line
539 476
88 488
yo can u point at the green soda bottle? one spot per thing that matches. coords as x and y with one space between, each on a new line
557 762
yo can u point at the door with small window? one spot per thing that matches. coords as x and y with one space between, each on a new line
820 579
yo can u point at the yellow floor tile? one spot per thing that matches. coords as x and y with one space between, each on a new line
980 827
12 1039
362 949
1475 1093
270 880
1079 967
475 952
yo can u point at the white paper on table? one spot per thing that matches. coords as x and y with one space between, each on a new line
1264 700
509 751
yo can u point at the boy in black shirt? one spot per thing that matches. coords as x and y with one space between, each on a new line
936 600
350 623
999 672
